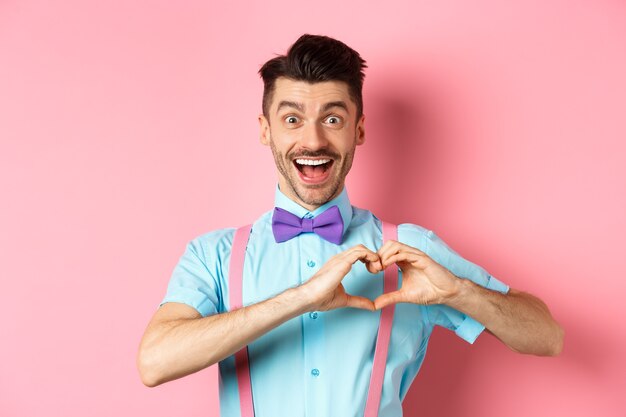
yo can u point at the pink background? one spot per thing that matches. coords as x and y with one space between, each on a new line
129 128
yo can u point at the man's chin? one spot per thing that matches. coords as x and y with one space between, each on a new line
316 195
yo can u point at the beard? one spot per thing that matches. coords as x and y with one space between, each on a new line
313 194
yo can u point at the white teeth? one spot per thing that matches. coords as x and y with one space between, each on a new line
312 161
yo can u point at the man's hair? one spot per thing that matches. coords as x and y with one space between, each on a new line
314 58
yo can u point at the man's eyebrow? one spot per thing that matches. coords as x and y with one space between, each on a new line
332 104
292 104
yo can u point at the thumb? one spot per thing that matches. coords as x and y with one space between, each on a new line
359 302
384 300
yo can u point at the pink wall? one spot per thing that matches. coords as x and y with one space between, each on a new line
500 125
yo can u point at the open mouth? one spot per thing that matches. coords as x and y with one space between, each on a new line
313 171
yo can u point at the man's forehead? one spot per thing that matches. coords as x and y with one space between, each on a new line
311 95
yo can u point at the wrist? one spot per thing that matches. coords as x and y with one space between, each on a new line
461 289
302 298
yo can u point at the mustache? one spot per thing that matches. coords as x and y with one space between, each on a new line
313 154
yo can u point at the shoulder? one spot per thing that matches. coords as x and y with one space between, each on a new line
216 244
408 233
428 242
211 246
415 235
214 237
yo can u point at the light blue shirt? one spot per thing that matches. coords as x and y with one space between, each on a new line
319 364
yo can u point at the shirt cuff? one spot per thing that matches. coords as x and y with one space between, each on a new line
469 330
496 285
202 304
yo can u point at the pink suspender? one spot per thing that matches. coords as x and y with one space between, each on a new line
235 283
390 232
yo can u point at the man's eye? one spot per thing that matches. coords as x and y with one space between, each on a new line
291 119
333 120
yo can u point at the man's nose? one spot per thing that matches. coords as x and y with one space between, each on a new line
314 137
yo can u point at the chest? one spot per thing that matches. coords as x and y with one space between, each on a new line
318 348
271 268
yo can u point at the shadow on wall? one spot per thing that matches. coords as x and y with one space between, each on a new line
403 177
415 127
403 170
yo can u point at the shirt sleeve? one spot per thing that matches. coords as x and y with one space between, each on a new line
463 325
197 277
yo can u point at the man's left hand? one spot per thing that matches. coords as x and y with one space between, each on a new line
520 320
424 281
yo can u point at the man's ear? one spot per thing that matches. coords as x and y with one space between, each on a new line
264 126
360 131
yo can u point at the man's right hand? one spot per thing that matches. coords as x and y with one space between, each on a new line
325 290
179 341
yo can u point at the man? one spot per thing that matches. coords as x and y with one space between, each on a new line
311 311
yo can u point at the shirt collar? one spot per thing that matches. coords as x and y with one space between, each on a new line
341 201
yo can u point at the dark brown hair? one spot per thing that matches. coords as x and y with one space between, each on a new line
314 58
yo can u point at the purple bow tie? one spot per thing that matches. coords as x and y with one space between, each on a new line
328 225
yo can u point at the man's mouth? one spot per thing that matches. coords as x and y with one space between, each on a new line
313 171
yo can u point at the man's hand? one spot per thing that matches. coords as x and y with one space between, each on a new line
179 341
520 320
424 281
325 289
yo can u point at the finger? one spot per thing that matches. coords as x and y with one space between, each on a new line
416 260
358 249
356 301
391 247
385 245
361 248
361 253
412 254
388 247
370 259
384 300
413 258
374 267
372 262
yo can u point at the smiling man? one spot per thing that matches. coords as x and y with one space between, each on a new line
314 131
319 308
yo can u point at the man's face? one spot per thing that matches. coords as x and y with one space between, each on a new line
313 132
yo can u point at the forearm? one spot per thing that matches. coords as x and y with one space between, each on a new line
173 349
520 320
179 342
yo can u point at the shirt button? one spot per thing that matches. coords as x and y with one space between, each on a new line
313 315
308 216
315 372
310 263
